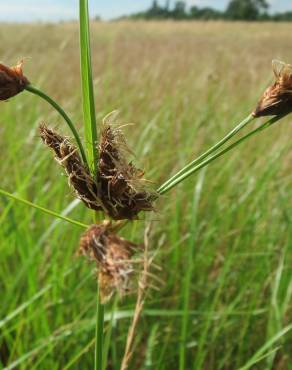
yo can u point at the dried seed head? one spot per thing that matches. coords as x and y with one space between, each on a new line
12 81
120 189
79 176
277 99
121 185
112 255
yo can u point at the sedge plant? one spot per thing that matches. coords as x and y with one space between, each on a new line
109 185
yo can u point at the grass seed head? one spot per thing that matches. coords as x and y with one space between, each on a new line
12 81
121 185
277 99
112 255
120 189
78 174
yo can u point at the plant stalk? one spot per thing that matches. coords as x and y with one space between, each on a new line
194 169
90 133
98 356
61 111
42 209
90 130
186 287
233 132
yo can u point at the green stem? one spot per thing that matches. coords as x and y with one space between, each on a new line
90 130
42 209
215 156
90 133
98 358
236 129
189 265
61 111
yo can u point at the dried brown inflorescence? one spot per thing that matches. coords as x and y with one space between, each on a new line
79 176
277 99
12 81
112 255
119 190
121 185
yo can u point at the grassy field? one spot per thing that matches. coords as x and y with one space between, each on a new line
223 238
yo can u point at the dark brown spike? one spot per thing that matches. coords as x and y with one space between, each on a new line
68 157
120 189
122 186
277 99
12 81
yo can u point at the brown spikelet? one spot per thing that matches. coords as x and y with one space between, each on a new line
67 156
121 184
112 255
12 81
120 189
277 99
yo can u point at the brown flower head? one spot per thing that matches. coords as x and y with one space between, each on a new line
122 187
112 255
12 81
67 156
277 99
120 190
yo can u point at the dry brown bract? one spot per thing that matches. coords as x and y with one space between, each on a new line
277 99
112 255
122 187
79 177
12 81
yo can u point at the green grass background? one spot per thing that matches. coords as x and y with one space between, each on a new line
223 238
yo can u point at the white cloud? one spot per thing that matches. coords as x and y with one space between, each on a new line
25 11
48 9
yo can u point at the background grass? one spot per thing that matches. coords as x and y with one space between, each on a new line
223 237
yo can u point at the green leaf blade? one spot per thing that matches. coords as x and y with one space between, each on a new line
90 130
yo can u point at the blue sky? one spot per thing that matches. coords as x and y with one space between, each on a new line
31 10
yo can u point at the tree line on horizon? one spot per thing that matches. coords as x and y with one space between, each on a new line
246 10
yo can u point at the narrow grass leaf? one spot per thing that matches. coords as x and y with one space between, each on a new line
42 209
90 131
260 353
189 268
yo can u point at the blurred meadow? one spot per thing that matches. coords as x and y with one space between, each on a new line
222 239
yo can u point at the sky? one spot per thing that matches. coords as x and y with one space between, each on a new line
55 10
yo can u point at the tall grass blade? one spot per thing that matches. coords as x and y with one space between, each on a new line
233 132
108 336
195 168
98 358
23 306
259 354
189 269
90 133
42 209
